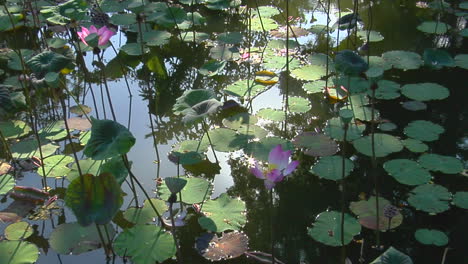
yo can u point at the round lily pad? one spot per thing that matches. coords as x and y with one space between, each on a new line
245 89
214 248
18 252
225 140
316 144
224 53
460 199
431 237
309 72
423 130
28 148
407 172
383 145
134 49
366 210
195 191
244 123
386 90
14 129
298 104
335 130
444 164
327 228
56 166
437 58
331 168
414 105
18 231
404 60
146 213
415 145
223 213
430 198
374 36
145 244
268 11
425 91
156 37
212 67
461 60
434 27
261 149
271 114
387 126
314 87
55 130
230 37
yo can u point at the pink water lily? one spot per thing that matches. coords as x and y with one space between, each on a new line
104 34
278 167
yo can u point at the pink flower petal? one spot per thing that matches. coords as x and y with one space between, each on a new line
82 36
105 36
93 29
291 167
274 176
279 157
257 172
269 184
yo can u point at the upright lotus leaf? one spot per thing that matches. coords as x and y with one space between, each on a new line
437 58
384 145
190 98
74 239
347 22
56 166
195 191
134 49
175 184
407 172
47 61
335 130
425 91
18 252
460 199
94 199
331 168
430 198
404 60
349 63
145 244
431 237
316 144
201 110
392 256
230 245
125 19
434 27
261 149
366 210
145 214
28 148
14 129
108 139
18 231
327 228
444 164
223 213
423 130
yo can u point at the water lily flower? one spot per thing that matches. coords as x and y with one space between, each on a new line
278 167
104 34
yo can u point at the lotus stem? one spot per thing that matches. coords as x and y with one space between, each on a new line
343 189
173 231
273 259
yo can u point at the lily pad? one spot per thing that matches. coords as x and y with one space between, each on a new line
414 105
226 140
265 24
267 11
425 91
230 37
404 60
415 145
14 129
18 252
245 124
367 214
444 164
190 98
156 37
146 213
18 231
316 144
56 166
55 130
349 63
423 130
335 130
392 256
271 114
384 145
261 149
407 172
437 58
108 139
245 89
461 60
196 191
430 198
331 168
387 126
28 148
314 87
223 213
134 49
159 245
212 68
374 36
460 199
431 237
309 72
434 27
386 90
214 248
327 228
224 53
297 104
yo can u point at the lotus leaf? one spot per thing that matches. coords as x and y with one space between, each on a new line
18 252
431 237
383 145
214 248
55 130
387 126
414 105
460 199
327 228
425 91
436 58
434 27
392 256
314 87
190 98
196 191
309 72
134 49
444 164
423 130
349 63
407 172
156 37
14 129
175 184
267 11
366 210
18 231
223 213
461 60
201 110
63 13
47 61
56 166
261 149
123 19
335 130
430 198
415 145
320 59
145 214
297 104
374 36
224 53
245 89
212 68
404 60
80 109
226 140
28 148
265 24
386 90
230 37
271 114
316 144
331 168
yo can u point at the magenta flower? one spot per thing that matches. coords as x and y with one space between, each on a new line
278 167
104 34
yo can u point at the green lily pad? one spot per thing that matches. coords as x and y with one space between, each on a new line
415 145
190 98
56 166
134 49
157 247
349 63
314 87
386 90
55 130
436 58
267 11
145 214
335 130
387 126
226 140
265 24
327 228
155 38
196 37
309 72
366 210
276 115
423 130
196 191
384 145
414 105
80 109
245 89
431 237
278 63
404 60
425 91
378 62
434 27
261 149
14 129
297 104
245 124
223 213
444 164
94 199
18 252
460 199
407 172
212 68
364 113
320 59
230 37
430 198
392 256
72 238
56 43
224 53
63 13
331 168
18 231
190 145
48 61
461 60
108 139
28 148
201 110
316 144
123 19
374 36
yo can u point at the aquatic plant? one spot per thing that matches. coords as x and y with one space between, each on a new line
103 34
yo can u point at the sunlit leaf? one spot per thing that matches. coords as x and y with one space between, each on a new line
366 210
327 228
223 213
214 248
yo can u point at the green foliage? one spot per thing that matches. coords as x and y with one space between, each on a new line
384 145
327 228
430 198
366 210
195 191
392 256
431 237
331 168
407 172
223 213
18 252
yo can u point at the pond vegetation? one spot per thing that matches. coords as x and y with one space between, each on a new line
193 131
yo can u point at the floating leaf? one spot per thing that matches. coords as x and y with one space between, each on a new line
80 109
56 166
18 252
223 213
28 148
261 149
386 90
327 228
94 199
460 199
316 144
230 245
425 91
404 60
226 140
156 37
212 68
407 172
392 256
349 63
366 210
108 139
264 24
18 231
294 31
444 164
309 72
230 37
431 237
158 246
271 114
146 213
190 98
297 104
267 11
196 190
314 87
134 49
201 110
78 123
14 129
434 27
123 19
29 194
423 130
436 58
245 124
383 145
387 126
331 168
245 89
224 53
374 36
461 60
415 145
431 198
335 130
414 105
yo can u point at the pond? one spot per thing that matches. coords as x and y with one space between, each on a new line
194 131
